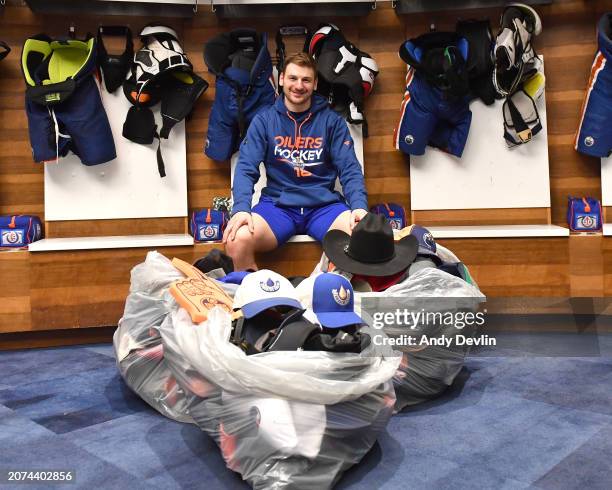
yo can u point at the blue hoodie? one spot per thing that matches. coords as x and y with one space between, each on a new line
302 159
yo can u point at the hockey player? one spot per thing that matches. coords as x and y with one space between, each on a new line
305 146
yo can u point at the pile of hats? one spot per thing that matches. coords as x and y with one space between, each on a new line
320 312
275 320
376 257
381 261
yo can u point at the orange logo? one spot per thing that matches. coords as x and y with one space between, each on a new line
300 172
299 142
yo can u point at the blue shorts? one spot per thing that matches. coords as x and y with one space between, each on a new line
428 118
287 222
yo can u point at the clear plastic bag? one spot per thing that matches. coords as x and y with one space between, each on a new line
138 346
281 419
427 371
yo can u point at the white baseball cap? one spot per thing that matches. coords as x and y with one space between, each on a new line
262 290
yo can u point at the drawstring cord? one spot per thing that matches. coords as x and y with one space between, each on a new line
57 132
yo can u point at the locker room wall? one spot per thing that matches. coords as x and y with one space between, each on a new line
87 288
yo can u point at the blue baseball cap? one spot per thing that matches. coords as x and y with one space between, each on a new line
427 244
332 301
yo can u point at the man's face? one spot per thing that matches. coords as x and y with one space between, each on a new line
298 83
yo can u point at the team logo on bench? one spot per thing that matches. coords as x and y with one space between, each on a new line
586 221
396 223
209 232
12 238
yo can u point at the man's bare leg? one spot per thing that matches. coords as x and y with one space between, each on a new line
243 248
342 222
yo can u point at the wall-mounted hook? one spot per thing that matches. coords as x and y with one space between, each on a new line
3 2
374 5
212 6
195 7
393 4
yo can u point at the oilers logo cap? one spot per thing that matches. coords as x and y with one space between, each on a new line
262 290
333 302
426 242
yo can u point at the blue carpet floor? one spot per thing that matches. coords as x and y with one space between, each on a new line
509 421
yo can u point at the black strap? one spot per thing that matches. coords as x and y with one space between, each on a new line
160 159
287 30
241 120
517 119
292 336
237 334
520 126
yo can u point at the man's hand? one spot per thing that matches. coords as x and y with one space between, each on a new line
237 221
356 216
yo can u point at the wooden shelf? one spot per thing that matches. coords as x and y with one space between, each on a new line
498 231
105 242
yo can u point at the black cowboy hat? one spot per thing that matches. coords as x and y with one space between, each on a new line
370 250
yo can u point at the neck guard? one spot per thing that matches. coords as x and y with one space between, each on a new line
53 69
439 57
346 74
114 67
241 56
480 59
160 71
281 51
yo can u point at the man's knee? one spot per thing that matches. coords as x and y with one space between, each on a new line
342 222
244 240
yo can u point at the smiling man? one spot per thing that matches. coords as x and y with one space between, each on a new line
304 145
